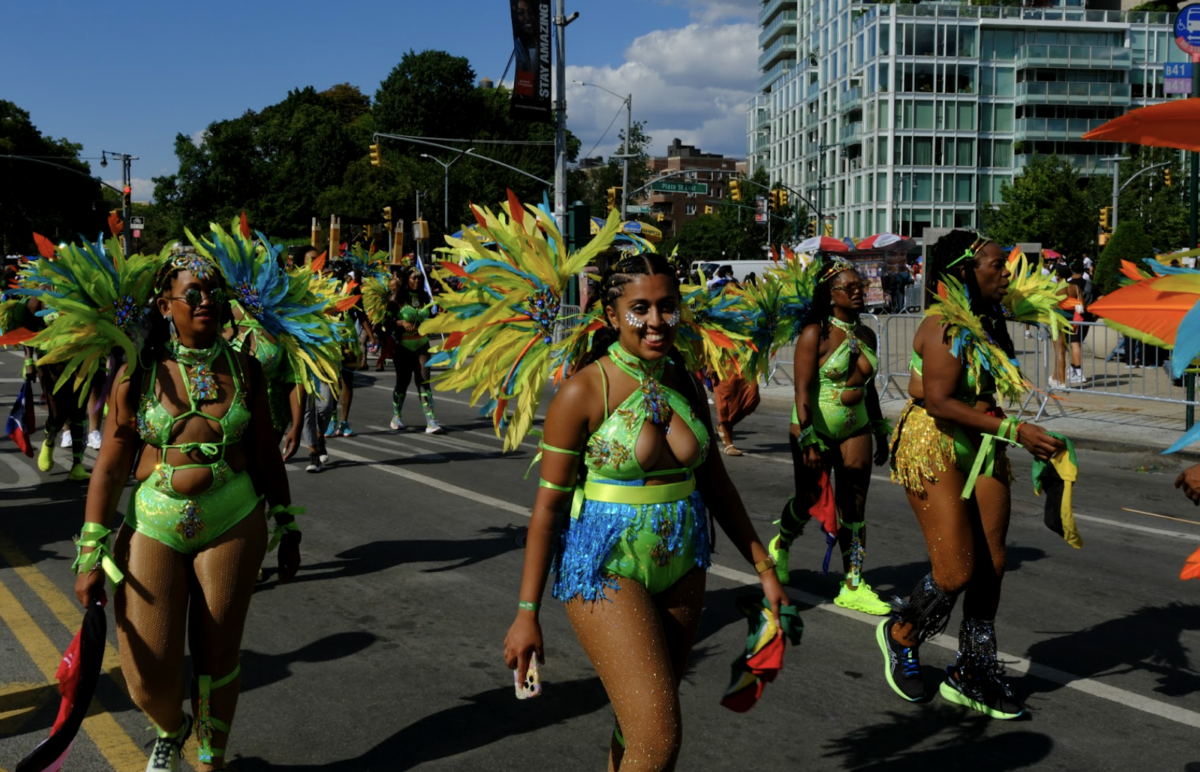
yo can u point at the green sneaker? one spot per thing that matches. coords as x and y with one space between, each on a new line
863 599
780 555
79 474
46 455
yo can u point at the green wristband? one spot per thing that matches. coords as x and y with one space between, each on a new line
528 605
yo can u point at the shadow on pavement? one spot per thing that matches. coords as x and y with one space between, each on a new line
478 721
1146 640
259 670
952 739
382 555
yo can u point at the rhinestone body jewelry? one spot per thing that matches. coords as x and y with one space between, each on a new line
633 321
673 319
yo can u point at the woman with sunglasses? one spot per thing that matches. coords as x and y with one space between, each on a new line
835 415
191 420
948 453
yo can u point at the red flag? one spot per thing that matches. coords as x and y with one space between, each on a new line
21 423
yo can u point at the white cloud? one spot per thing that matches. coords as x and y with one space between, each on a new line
692 83
717 10
198 137
142 190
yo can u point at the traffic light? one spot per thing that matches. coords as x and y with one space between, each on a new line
812 228
708 209
1105 218
376 155
829 229
660 217
387 218
774 200
127 199
783 199
1167 176
612 199
368 232
735 191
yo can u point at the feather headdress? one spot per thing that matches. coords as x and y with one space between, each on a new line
500 324
100 296
1033 298
970 342
282 303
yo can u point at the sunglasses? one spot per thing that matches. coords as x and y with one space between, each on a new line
851 287
194 297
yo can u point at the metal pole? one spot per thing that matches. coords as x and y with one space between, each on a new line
446 203
1189 380
560 116
1195 186
625 170
126 203
1116 197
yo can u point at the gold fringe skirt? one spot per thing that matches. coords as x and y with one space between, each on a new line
921 448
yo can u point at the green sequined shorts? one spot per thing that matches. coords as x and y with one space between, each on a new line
187 523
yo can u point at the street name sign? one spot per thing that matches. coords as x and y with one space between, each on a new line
667 186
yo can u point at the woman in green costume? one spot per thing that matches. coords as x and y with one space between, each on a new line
193 415
409 307
835 415
631 563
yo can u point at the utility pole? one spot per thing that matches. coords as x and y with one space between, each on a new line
560 113
446 197
1116 194
628 154
126 192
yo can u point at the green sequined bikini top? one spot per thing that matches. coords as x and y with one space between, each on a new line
156 425
966 390
836 370
611 450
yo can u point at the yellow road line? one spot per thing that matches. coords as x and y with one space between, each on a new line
118 749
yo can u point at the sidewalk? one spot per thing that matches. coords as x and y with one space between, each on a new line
1095 422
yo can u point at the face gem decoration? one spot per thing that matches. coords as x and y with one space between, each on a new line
673 319
633 321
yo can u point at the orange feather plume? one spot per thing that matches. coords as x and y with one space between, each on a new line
45 246
1191 569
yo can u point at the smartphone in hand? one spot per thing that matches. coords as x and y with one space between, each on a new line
532 685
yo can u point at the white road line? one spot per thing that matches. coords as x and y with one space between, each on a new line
1019 664
26 477
405 451
437 440
1190 537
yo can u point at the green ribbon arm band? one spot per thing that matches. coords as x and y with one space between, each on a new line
285 509
94 536
985 457
528 605
544 483
279 531
542 446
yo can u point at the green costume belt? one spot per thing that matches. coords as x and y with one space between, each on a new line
637 496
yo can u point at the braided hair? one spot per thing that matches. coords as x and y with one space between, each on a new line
612 287
947 250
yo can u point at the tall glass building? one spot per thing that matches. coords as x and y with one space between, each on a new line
897 117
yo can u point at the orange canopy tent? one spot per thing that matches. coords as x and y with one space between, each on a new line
1170 124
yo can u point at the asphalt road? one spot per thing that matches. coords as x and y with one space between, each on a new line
385 654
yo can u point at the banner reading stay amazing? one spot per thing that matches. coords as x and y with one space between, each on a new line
531 39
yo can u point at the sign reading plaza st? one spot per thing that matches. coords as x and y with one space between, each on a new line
667 186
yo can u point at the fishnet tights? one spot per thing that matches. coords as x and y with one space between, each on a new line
849 465
965 539
640 645
166 594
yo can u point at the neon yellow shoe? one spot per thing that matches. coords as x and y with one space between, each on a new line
780 554
46 455
79 474
863 599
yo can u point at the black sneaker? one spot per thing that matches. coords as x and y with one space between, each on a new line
900 664
989 696
314 464
164 756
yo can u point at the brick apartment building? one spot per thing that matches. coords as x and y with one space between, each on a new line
686 163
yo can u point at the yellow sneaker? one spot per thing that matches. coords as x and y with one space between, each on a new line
46 455
862 599
79 474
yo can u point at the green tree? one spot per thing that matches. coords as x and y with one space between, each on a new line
593 188
1129 242
1047 203
60 203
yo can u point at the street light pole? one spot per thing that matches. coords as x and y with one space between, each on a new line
446 196
561 20
628 154
126 176
1116 194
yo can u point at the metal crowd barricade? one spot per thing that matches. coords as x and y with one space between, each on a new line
784 361
568 317
1113 366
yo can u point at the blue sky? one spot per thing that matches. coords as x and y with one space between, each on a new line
129 76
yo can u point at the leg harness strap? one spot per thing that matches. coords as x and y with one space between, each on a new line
205 723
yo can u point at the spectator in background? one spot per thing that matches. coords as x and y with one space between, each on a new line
1075 304
751 278
724 276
